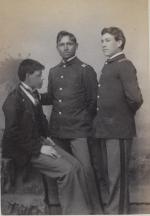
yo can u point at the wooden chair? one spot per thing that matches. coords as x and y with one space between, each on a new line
27 192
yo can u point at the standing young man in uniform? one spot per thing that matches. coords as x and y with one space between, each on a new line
118 99
72 90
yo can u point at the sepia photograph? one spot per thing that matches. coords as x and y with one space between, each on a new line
74 107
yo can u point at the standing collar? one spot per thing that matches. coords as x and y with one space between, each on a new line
69 61
117 54
115 57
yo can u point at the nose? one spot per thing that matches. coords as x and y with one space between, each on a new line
40 84
42 79
103 44
66 46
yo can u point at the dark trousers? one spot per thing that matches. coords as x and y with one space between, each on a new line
111 162
79 149
70 179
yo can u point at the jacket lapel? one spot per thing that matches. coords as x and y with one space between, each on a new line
28 104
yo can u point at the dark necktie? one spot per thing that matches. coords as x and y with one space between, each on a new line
34 94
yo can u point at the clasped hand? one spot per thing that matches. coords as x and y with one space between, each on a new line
48 148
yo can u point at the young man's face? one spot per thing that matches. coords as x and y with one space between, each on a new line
35 80
66 47
110 45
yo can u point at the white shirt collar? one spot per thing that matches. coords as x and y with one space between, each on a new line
26 86
115 55
68 60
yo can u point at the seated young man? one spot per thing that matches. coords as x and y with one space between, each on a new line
25 141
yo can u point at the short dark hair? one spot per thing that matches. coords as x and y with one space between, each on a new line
28 66
61 34
117 33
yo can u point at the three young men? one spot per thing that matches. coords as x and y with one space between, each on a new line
72 90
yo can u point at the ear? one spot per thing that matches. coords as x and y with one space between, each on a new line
77 45
119 43
27 76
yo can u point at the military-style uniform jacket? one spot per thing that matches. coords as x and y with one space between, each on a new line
25 123
72 90
118 99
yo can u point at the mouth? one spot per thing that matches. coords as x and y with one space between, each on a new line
105 50
67 53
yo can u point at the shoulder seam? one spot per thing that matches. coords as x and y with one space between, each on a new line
123 60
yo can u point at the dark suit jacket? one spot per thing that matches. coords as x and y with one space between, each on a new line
25 123
119 97
72 89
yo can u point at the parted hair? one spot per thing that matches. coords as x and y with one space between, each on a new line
28 66
61 34
117 33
